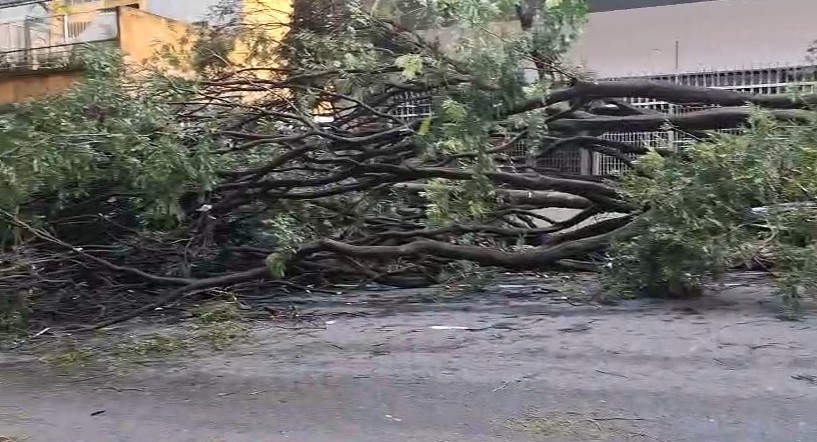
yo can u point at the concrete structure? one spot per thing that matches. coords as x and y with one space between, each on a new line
182 10
653 37
628 38
756 46
37 37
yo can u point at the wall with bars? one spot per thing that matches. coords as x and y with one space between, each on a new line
777 79
772 79
410 106
754 46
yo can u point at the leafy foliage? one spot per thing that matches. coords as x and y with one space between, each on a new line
12 323
697 220
372 190
101 134
349 47
287 236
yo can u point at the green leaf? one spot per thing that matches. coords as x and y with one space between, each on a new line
277 264
411 64
425 126
454 111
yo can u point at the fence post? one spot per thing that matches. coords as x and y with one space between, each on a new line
586 160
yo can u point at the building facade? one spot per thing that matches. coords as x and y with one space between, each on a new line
37 37
626 38
753 46
188 11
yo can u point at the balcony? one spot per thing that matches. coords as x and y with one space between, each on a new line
48 42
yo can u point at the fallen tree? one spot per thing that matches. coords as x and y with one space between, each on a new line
117 203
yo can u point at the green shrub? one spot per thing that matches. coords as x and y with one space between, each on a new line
12 323
696 222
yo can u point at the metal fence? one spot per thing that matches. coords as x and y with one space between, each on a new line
757 80
40 42
409 106
771 80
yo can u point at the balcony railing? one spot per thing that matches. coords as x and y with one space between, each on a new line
48 42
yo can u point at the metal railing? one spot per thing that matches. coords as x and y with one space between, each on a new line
778 79
44 42
760 80
409 106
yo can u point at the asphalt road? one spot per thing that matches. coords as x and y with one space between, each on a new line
533 364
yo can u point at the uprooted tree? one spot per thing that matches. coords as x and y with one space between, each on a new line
122 196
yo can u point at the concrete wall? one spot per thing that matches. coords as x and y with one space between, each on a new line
189 11
16 89
16 13
192 11
273 15
710 35
60 7
612 5
183 10
627 37
142 34
268 17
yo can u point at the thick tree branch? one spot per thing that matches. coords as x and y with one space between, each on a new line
528 260
664 91
710 119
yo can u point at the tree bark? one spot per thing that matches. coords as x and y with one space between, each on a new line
710 119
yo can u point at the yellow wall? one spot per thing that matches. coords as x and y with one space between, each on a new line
16 89
268 17
142 34
59 6
271 16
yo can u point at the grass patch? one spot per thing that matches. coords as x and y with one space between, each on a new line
218 312
223 335
136 349
575 425
153 345
220 324
215 326
72 357
75 356
12 324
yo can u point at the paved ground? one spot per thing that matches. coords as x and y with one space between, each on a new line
532 366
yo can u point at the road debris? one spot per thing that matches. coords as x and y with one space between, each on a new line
811 379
